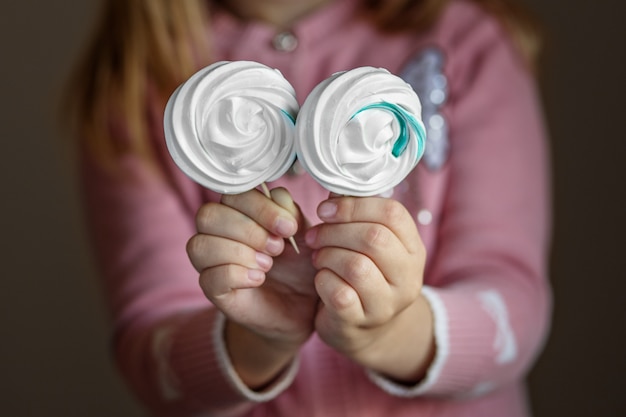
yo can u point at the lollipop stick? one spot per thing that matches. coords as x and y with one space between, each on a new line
266 191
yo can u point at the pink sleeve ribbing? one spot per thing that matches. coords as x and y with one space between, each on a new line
166 334
486 281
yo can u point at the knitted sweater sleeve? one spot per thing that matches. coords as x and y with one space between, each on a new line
167 336
486 279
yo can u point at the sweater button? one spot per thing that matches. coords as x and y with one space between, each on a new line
285 42
424 217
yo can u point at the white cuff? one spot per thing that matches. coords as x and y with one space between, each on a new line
440 317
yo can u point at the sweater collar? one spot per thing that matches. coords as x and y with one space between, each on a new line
309 29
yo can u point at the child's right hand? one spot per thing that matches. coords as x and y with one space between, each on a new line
247 271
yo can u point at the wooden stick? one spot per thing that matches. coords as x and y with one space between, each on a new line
266 191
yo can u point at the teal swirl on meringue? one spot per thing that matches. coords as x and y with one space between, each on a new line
289 116
406 122
359 132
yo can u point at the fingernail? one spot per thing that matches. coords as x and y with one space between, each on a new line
264 261
274 245
286 228
255 275
327 209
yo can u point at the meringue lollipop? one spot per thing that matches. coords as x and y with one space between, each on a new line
230 127
360 132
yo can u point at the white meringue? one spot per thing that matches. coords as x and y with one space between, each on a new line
360 132
230 127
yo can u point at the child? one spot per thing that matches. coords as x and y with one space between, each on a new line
431 301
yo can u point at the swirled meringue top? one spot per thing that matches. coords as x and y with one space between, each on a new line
230 126
360 132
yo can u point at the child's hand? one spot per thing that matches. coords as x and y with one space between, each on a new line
371 260
262 286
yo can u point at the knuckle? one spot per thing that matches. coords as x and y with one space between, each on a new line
209 283
206 281
195 246
338 297
376 237
357 268
344 298
252 236
196 252
206 216
217 282
393 211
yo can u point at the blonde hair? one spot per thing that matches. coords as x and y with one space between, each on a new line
134 40
165 41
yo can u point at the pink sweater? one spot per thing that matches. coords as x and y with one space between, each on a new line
480 201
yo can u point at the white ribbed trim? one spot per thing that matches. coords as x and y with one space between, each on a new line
283 382
504 344
442 342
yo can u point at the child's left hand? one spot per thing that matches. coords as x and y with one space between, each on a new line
370 262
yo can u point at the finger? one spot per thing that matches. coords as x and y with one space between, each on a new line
384 211
371 239
282 197
360 273
264 211
219 282
340 300
400 268
206 251
224 221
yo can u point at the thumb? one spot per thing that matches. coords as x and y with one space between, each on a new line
282 197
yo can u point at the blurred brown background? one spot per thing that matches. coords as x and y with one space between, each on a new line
54 358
